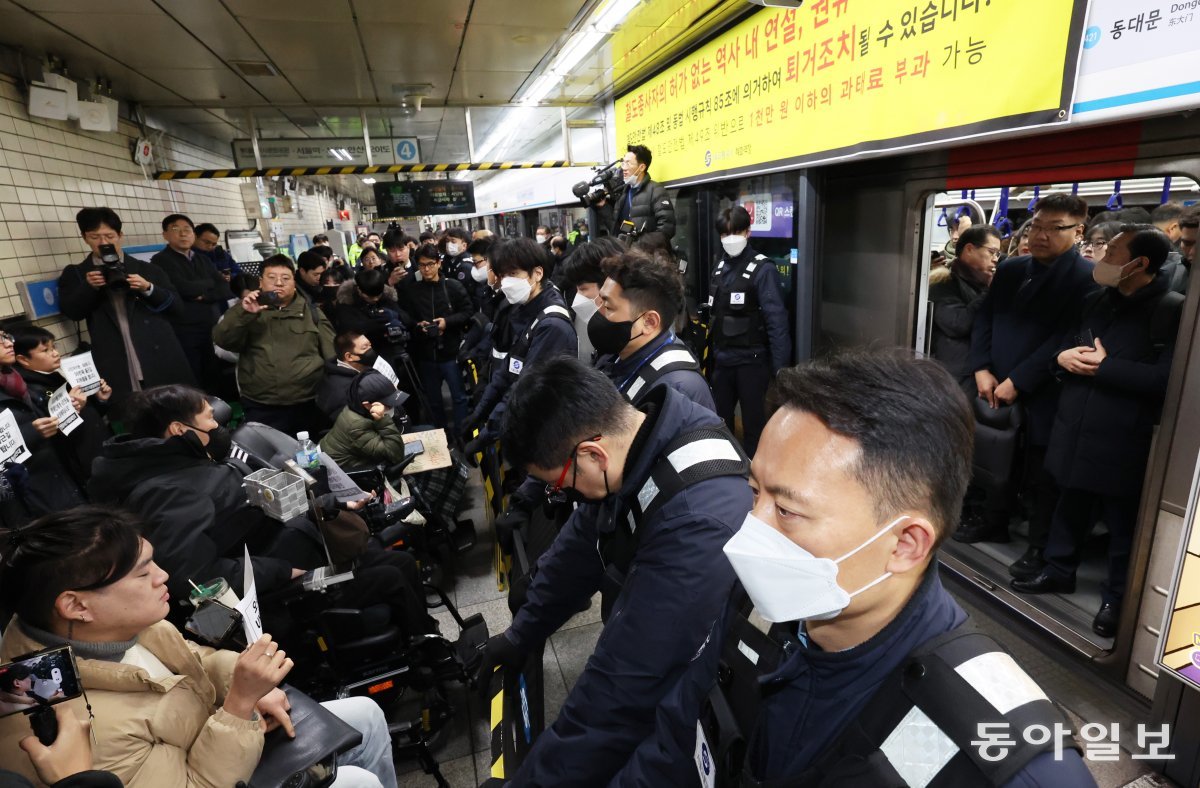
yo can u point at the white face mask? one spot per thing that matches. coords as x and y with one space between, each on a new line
734 244
540 238
583 307
631 180
453 249
516 290
785 581
1111 275
479 273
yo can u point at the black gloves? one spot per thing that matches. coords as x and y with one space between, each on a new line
474 447
498 652
508 522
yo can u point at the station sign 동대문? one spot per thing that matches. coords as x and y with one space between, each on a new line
838 77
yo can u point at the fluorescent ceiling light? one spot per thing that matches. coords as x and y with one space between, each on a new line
578 47
336 154
614 14
581 44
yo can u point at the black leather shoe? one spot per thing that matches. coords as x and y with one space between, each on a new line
981 531
1029 565
1044 583
1106 621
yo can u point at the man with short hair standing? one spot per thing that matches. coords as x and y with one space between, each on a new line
1116 363
202 290
129 306
1031 301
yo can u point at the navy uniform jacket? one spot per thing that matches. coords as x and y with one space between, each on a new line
814 695
673 594
689 383
774 314
1020 324
551 337
1105 422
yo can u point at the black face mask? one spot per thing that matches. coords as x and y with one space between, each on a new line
610 337
369 358
220 441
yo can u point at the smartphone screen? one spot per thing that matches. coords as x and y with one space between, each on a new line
43 678
414 447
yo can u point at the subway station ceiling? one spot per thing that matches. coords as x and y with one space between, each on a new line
319 68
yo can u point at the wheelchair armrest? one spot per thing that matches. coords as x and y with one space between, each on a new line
320 736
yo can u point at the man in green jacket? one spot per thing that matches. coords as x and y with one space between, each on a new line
282 341
365 433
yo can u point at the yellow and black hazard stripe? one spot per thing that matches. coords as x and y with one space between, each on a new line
497 714
363 169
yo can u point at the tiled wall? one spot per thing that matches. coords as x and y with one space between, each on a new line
50 169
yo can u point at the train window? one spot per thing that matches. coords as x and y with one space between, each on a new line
1029 310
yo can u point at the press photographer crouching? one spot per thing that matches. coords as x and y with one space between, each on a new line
168 712
171 470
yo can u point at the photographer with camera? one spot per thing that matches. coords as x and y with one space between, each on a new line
282 341
639 205
128 306
168 711
438 310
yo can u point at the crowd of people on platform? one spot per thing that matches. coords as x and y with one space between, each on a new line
577 355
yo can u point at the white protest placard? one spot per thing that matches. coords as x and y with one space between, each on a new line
12 443
248 607
386 369
63 409
80 370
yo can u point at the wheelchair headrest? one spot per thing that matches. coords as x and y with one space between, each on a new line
222 413
1004 417
266 442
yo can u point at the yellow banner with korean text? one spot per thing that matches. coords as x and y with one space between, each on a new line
835 78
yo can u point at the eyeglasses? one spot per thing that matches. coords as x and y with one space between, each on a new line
1095 244
427 263
5 338
993 251
181 230
1037 229
554 489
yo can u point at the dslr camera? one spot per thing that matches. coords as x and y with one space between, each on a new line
600 188
112 267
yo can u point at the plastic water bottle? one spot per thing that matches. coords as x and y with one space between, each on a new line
307 456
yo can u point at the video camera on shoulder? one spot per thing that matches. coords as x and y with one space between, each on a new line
112 267
605 178
34 682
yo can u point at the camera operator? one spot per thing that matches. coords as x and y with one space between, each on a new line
641 205
128 305
169 712
369 307
282 341
202 292
437 309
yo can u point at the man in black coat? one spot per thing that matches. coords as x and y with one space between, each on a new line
1115 366
438 310
128 311
641 206
958 297
1031 302
202 292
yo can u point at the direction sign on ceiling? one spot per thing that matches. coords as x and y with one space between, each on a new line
332 152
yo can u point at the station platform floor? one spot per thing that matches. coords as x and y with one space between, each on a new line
463 751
